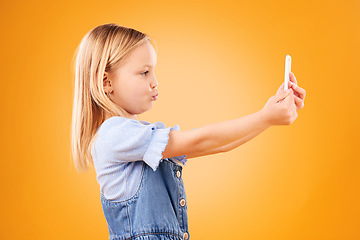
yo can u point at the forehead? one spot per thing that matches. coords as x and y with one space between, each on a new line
141 56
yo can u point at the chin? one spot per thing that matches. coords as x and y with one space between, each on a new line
143 111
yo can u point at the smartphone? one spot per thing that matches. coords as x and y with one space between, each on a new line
287 71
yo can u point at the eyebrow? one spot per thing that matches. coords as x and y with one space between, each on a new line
146 65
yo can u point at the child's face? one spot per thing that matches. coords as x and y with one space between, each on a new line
133 85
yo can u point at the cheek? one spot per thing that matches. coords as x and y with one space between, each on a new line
135 95
134 90
141 90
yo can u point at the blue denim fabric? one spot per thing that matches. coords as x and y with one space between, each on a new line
156 211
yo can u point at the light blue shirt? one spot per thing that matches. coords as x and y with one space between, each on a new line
119 149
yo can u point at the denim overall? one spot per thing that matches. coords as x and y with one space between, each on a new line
157 211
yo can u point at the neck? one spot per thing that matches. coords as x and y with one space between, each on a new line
130 116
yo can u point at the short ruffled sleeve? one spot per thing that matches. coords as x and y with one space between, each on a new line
128 140
159 141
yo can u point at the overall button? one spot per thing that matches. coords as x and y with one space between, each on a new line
178 173
186 235
182 202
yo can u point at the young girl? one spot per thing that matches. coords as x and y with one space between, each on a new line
139 164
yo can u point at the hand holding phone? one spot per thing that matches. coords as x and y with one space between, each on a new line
287 71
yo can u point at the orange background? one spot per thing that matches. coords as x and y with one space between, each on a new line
217 60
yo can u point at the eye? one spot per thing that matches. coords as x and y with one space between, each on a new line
145 72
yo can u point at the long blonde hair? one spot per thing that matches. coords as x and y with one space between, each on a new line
102 49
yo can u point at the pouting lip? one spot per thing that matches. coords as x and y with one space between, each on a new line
156 95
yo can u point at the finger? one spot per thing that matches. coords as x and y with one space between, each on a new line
299 103
292 77
299 91
293 86
291 103
280 97
281 89
289 99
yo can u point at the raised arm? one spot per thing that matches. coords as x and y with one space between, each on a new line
211 138
227 147
280 109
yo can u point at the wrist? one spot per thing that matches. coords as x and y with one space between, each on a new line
264 118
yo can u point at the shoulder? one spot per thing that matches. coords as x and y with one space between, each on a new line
122 140
116 121
120 128
128 125
118 124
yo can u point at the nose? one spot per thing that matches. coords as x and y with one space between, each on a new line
154 83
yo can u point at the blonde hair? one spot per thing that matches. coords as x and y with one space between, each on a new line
102 49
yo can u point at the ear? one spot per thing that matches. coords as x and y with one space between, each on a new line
106 82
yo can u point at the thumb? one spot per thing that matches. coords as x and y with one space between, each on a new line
282 94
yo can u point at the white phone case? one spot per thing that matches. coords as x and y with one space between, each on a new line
287 71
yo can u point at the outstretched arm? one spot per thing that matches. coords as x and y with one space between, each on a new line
224 136
210 138
227 147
